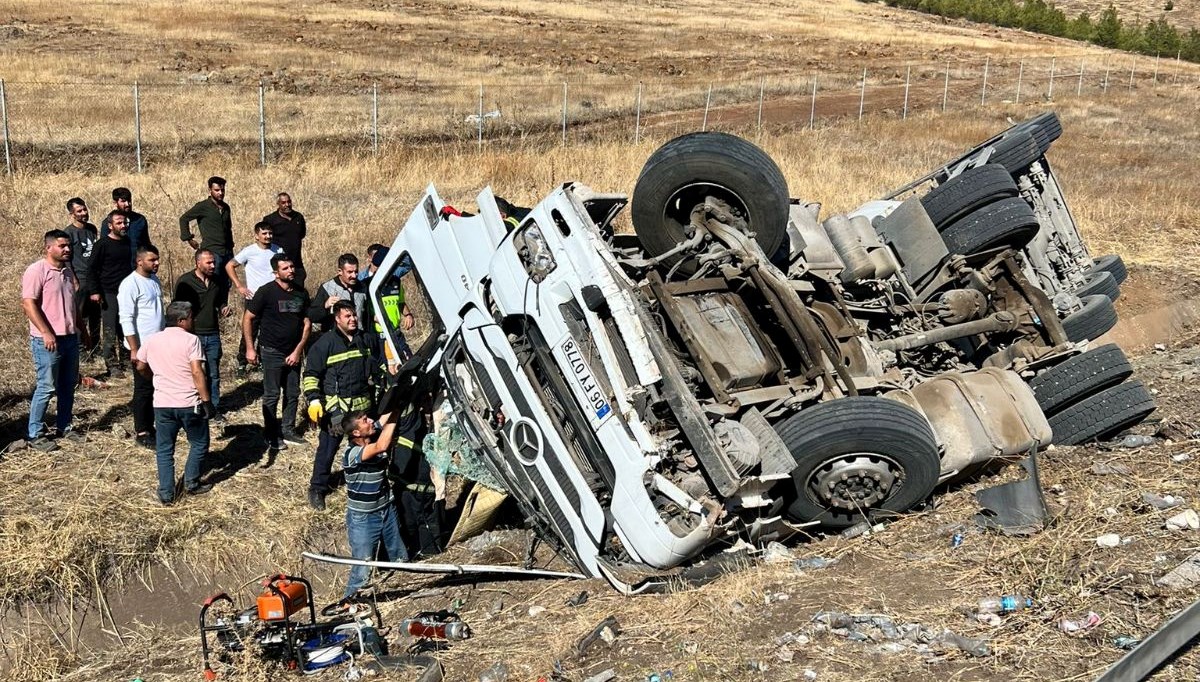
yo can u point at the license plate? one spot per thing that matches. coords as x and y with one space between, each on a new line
584 383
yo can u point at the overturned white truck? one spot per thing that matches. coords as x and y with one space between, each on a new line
733 369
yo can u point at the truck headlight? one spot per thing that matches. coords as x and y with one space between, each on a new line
534 252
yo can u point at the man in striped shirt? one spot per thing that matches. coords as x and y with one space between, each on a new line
370 509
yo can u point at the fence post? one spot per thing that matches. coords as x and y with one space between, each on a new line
637 121
479 123
375 119
137 124
262 124
564 116
907 82
946 88
862 95
1106 71
762 85
707 103
1156 56
1020 77
1079 88
812 112
983 91
4 115
1132 68
1050 94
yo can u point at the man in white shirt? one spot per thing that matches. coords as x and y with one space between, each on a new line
140 309
256 258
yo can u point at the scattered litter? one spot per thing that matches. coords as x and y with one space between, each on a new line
737 606
1181 457
1134 440
607 630
810 674
770 598
813 563
535 611
1016 508
1162 502
1006 604
1186 574
94 383
1078 626
1186 520
656 677
1110 511
757 666
496 607
1126 642
603 676
579 599
1160 348
957 539
497 673
792 638
1108 540
1110 469
785 655
973 647
776 553
860 528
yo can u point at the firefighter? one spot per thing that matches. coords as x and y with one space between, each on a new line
340 375
395 310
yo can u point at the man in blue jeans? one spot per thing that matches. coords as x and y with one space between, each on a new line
370 512
175 361
48 299
210 303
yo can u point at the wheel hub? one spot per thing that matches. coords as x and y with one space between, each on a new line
855 481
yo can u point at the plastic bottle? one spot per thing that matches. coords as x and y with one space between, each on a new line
1005 604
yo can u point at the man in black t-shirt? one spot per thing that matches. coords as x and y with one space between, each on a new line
280 307
289 231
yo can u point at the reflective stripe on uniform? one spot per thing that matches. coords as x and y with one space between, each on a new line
310 384
348 355
401 440
333 402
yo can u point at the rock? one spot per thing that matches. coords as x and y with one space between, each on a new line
1108 540
1110 469
497 673
812 563
1185 575
1162 502
1185 520
1134 440
535 611
1181 457
604 676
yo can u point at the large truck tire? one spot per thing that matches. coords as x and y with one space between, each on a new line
1007 222
1079 377
1092 321
1016 151
681 173
1102 414
1113 265
859 458
972 189
1102 283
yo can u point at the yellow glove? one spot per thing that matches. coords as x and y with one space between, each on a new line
316 411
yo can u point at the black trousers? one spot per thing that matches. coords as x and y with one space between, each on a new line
277 377
328 447
114 353
142 404
92 313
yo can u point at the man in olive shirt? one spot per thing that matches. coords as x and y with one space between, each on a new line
289 230
214 224
209 304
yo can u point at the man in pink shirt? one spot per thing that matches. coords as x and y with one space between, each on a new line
175 360
48 298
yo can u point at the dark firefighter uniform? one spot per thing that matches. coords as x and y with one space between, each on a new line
340 375
421 514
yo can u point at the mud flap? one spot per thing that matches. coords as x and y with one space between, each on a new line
1016 508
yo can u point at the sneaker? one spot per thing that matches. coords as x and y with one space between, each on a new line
294 438
199 488
147 440
42 444
316 498
116 373
72 437
241 371
277 444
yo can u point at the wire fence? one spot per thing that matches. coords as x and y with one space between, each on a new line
58 126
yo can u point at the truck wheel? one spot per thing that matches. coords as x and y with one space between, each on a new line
1113 265
966 192
1091 322
1080 376
1102 283
1102 414
1007 222
1016 151
681 173
1045 128
859 457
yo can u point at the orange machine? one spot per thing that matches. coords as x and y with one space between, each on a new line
282 596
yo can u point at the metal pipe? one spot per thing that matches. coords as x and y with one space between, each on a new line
707 104
762 85
1050 94
1020 77
946 88
812 112
983 91
262 124
907 82
564 117
862 97
1001 321
637 121
375 119
479 124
